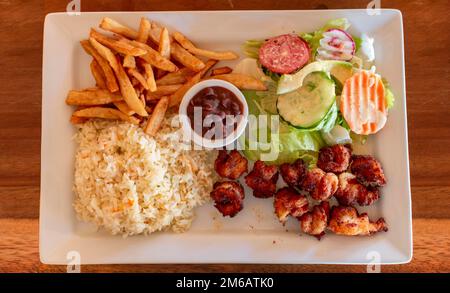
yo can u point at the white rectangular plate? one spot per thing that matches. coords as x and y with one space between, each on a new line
254 235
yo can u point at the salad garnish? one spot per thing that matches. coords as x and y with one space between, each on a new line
323 86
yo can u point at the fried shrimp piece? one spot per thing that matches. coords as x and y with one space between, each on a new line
345 220
231 165
368 171
319 184
228 197
351 192
293 174
334 159
288 202
262 179
315 222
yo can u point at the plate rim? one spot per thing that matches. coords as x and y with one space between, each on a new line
46 257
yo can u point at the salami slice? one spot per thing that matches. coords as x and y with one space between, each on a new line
284 54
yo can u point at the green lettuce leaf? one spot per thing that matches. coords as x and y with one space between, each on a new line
251 48
290 143
358 42
389 95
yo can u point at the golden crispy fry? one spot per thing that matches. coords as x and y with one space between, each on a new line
164 43
89 97
129 61
150 76
176 97
163 48
106 53
155 33
98 74
144 28
221 70
163 90
105 113
242 81
111 25
188 45
124 108
111 82
78 120
136 74
153 57
116 45
142 98
186 58
180 76
126 88
155 120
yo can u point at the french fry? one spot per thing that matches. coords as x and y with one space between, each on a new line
184 57
111 81
98 74
155 33
150 76
221 70
242 81
126 88
124 108
78 120
104 113
153 57
188 45
142 98
116 45
111 25
136 74
180 76
163 90
164 43
144 28
176 97
163 47
106 53
157 116
129 61
90 97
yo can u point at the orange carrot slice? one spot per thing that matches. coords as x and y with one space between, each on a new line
363 104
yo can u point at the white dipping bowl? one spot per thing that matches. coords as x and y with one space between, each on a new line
186 122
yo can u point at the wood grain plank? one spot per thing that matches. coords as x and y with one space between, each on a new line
19 253
17 202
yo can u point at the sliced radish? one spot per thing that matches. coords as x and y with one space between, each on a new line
336 44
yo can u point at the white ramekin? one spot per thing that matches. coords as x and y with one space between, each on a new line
186 123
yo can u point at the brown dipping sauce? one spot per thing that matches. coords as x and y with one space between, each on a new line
217 101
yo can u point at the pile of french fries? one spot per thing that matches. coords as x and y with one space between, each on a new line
140 74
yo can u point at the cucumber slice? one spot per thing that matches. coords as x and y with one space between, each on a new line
307 106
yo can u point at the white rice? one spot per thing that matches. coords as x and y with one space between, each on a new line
129 183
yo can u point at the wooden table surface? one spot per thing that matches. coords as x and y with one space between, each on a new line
427 76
